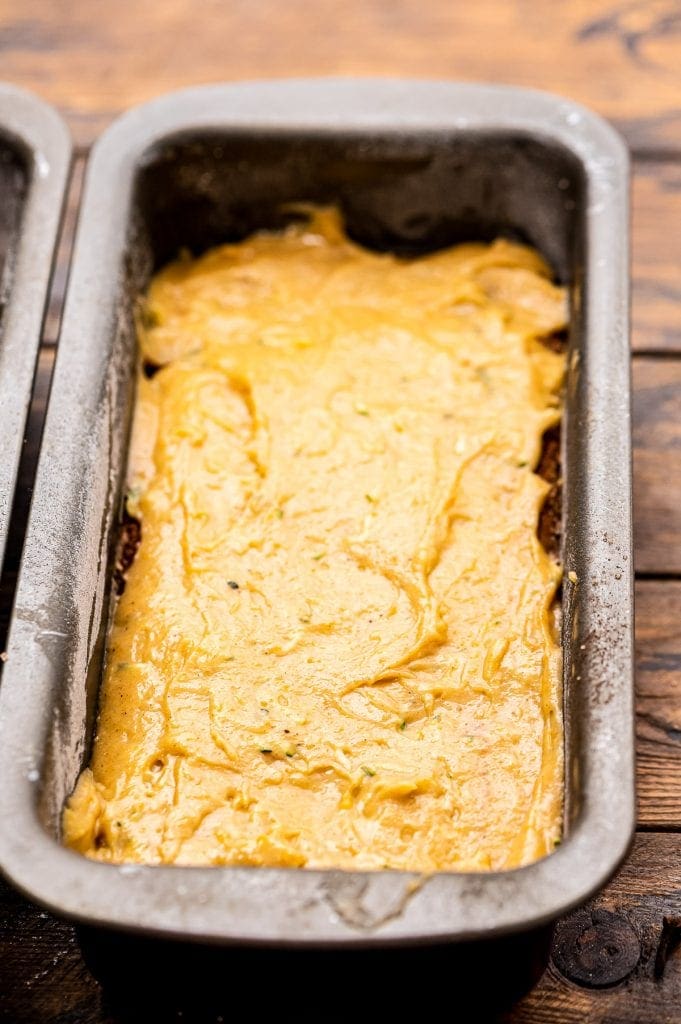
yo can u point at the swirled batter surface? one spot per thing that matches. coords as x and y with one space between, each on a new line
335 646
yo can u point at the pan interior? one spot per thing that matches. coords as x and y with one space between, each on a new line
408 194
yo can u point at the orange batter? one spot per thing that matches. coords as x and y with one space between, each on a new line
335 647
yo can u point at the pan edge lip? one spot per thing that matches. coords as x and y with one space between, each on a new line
38 136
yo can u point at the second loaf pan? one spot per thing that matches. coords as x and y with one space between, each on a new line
412 165
35 153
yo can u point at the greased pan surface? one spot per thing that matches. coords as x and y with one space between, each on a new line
412 165
35 153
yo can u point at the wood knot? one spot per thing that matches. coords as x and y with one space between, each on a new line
595 948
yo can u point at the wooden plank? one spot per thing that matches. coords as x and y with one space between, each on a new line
656 229
636 923
657 465
622 58
658 683
42 974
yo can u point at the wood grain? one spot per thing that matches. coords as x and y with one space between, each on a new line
657 465
658 724
656 230
43 977
94 59
645 894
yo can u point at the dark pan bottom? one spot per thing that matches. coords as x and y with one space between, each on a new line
147 979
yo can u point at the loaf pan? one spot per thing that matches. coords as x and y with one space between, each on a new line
35 153
413 165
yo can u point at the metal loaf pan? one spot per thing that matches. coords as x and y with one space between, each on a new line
35 155
413 165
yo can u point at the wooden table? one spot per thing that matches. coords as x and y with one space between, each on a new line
624 60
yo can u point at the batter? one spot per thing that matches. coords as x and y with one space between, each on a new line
336 644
